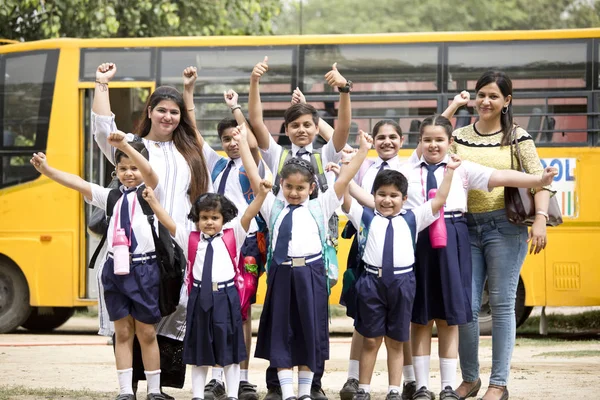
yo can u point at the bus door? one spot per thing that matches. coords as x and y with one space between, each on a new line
127 100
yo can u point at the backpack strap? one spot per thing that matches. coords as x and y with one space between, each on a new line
363 232
317 163
113 197
249 197
220 165
411 221
277 208
193 241
363 170
229 240
283 157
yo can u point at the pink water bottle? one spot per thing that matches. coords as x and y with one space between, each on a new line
121 252
437 231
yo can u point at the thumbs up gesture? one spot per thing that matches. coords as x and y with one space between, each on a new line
259 70
334 78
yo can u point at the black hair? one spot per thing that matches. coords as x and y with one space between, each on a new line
137 145
297 110
224 124
213 202
297 165
437 120
384 122
505 85
391 177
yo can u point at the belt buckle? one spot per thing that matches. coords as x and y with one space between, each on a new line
298 262
379 272
215 286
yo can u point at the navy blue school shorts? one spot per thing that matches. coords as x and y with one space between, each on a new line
134 294
385 310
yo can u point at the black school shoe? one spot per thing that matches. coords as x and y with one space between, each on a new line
317 393
247 391
349 389
449 394
362 395
215 390
423 394
274 393
408 390
155 396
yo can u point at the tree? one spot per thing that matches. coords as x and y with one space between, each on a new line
39 19
383 16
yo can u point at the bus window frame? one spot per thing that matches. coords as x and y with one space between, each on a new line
118 77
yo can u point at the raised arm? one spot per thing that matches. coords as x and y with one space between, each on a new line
231 99
241 136
255 106
64 178
104 74
512 178
342 130
461 99
190 74
348 171
442 193
162 214
325 130
119 141
254 207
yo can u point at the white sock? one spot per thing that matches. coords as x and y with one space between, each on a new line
353 367
125 379
304 382
366 388
217 373
448 371
396 388
153 379
286 381
244 375
232 377
408 372
421 365
199 375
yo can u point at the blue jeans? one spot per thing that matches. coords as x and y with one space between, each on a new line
498 249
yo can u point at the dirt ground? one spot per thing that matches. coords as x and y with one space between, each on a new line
76 359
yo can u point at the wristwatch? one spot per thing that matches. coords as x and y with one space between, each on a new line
347 88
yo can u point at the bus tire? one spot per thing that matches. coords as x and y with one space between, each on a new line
14 296
485 313
44 319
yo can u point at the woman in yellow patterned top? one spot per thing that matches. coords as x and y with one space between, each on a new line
498 248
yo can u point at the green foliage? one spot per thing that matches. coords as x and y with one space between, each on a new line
38 19
382 16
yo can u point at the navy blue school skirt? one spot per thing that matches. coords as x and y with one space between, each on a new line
293 326
215 336
444 277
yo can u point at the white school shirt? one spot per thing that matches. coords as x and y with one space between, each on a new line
467 177
370 174
233 188
169 164
305 239
222 267
404 254
273 153
139 223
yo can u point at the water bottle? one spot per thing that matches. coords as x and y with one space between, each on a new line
438 236
121 252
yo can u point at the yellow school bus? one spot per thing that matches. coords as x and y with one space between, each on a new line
46 91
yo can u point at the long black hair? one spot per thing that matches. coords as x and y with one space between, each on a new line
505 85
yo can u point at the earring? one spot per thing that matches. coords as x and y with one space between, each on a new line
504 109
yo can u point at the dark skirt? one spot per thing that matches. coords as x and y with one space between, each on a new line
444 277
214 337
293 326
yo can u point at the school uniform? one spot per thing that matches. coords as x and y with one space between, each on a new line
385 293
293 326
136 293
214 333
444 275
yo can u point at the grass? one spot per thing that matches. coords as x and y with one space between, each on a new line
8 392
588 321
570 354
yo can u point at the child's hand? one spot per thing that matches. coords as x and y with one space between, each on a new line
335 168
365 140
454 162
190 74
149 196
118 140
462 99
298 97
231 98
39 162
265 186
548 175
334 78
347 153
259 70
105 72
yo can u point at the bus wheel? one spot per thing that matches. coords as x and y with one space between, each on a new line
44 319
485 312
14 297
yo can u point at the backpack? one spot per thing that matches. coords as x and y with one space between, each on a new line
328 251
244 282
170 257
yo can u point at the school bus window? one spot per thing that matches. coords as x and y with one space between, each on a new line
17 169
537 65
133 64
224 68
383 68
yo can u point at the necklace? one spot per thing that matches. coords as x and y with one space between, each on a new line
485 134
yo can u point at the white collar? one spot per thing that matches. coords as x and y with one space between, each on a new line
295 148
